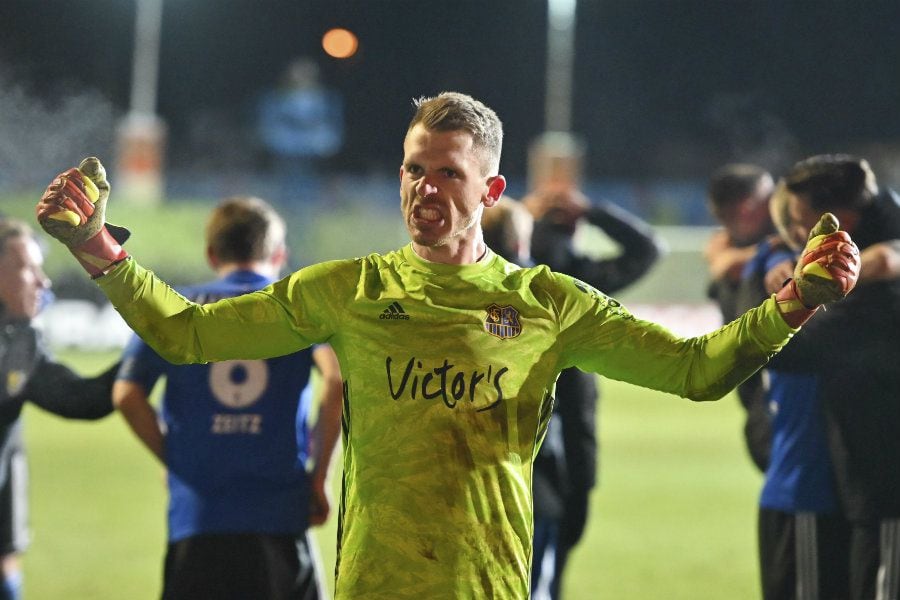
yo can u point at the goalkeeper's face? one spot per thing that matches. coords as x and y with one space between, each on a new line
443 191
22 278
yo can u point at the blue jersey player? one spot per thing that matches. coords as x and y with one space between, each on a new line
234 437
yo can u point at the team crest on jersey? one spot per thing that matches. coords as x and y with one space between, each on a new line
15 381
502 321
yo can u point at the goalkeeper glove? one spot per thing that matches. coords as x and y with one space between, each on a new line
826 272
73 210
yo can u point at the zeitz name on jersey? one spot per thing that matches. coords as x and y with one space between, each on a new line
242 423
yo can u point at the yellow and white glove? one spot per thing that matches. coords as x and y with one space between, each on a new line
827 270
73 210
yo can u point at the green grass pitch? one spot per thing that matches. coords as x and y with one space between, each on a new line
673 518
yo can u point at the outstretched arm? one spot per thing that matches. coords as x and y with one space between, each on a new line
326 431
707 367
257 325
59 390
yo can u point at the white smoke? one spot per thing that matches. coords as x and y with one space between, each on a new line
45 134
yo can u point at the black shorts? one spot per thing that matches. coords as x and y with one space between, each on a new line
803 555
13 493
241 567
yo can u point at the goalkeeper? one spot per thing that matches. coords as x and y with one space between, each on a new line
449 355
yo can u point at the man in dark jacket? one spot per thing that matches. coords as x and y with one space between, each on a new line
738 198
29 373
860 391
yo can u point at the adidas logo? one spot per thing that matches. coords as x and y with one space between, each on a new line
394 311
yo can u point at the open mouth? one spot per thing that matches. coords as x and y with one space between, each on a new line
427 214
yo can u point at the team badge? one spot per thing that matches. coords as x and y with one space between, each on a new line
502 321
15 381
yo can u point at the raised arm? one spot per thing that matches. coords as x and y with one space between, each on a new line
556 213
258 325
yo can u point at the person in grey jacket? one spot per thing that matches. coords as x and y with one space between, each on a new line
29 373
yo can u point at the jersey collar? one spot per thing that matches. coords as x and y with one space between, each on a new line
463 271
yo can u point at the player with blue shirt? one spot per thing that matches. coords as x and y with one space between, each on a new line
814 540
235 439
802 535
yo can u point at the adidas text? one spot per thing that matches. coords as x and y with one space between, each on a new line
394 311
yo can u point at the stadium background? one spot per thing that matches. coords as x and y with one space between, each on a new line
663 92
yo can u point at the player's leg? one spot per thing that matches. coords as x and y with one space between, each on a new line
230 566
777 563
13 513
889 570
864 559
194 567
309 581
833 536
806 548
543 555
571 527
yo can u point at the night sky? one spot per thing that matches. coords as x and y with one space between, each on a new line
662 88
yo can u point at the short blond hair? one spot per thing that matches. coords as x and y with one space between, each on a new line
453 111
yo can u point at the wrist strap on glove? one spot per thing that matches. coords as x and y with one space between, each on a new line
792 309
102 252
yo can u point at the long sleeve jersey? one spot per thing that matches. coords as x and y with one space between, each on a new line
449 378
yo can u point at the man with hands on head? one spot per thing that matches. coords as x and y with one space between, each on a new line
444 410
236 439
565 471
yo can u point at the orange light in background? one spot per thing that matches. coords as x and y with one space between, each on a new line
339 43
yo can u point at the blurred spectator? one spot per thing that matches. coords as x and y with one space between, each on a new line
738 196
508 230
860 392
29 374
803 538
301 123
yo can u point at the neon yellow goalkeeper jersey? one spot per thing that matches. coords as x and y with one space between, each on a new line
449 376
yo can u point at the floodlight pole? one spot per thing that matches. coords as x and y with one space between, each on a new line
560 56
142 133
145 65
556 156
